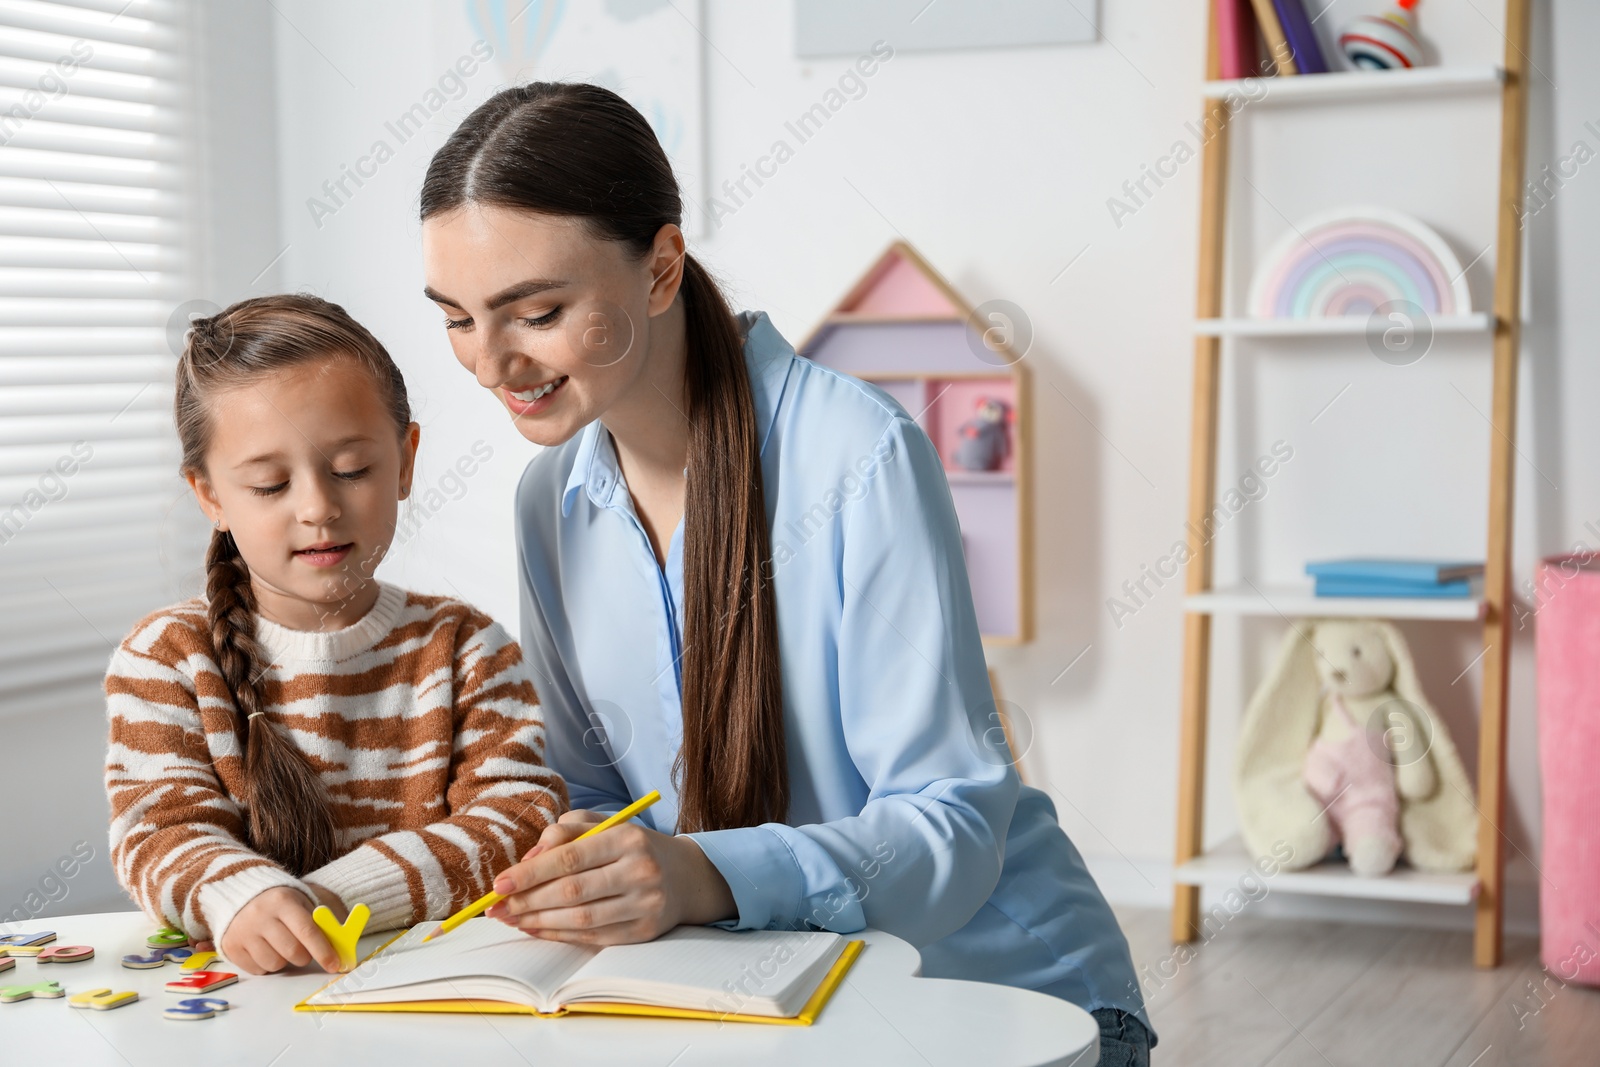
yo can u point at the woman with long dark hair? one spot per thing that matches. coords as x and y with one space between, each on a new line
742 585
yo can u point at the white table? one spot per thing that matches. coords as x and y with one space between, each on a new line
883 1015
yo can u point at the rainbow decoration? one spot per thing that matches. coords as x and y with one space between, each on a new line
1354 260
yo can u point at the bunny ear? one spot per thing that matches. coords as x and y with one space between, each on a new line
1406 684
1278 727
1284 703
1440 831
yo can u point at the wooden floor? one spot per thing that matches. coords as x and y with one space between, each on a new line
1273 991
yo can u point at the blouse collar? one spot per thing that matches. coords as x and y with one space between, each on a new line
767 357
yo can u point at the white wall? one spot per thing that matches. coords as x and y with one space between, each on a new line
998 166
55 762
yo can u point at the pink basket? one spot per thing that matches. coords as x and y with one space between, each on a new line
1567 638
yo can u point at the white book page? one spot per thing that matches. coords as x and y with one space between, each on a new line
753 972
482 959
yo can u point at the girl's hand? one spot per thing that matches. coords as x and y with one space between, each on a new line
274 931
626 885
333 903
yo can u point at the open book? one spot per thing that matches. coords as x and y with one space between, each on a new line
692 972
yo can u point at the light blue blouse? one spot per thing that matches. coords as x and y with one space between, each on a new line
905 812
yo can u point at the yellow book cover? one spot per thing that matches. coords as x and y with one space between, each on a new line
693 972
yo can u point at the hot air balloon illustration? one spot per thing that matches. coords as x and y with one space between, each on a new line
518 30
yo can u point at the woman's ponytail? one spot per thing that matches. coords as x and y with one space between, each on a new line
732 762
574 150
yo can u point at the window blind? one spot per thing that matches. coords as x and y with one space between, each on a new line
95 527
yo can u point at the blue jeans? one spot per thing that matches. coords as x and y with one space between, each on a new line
1124 1042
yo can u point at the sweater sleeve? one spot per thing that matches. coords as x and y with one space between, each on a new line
501 795
177 836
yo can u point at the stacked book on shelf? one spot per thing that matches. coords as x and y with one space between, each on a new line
1280 28
1394 577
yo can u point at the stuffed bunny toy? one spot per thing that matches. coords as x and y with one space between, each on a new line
1339 746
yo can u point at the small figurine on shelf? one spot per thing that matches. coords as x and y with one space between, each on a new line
985 438
1383 42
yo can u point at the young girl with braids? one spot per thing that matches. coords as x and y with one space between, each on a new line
305 733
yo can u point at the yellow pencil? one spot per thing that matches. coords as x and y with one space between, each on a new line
489 900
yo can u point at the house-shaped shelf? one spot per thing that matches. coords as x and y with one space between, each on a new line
903 328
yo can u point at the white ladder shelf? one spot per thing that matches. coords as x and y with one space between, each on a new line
1483 888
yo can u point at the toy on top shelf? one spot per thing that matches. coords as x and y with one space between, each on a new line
986 437
1340 746
1352 261
1383 42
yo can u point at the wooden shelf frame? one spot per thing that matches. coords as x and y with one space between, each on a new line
1494 604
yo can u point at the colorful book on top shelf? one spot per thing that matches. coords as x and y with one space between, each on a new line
1401 571
1369 587
691 972
1236 39
1297 30
1272 30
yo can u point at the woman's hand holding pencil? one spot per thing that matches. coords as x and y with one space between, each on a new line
599 823
625 885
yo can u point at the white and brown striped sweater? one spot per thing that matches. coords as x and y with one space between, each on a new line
421 718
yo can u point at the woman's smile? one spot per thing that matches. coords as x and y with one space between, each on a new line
535 400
